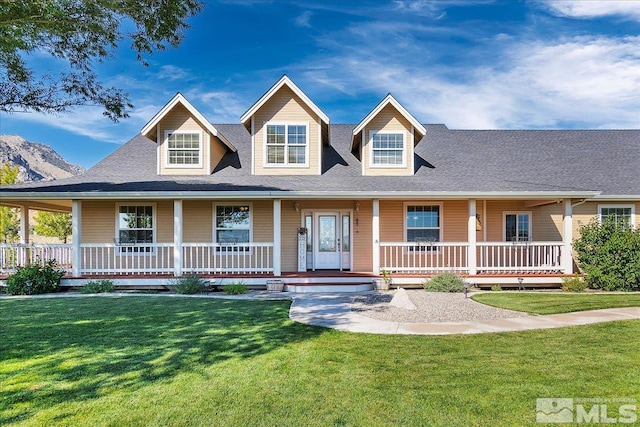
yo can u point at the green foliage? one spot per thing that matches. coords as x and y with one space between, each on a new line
35 279
9 220
53 224
496 288
98 286
187 285
237 288
447 282
609 255
573 284
77 35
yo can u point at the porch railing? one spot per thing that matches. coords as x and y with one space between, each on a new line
423 257
16 255
519 257
243 258
109 258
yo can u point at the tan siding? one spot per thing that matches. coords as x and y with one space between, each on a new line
218 150
197 221
179 118
583 214
495 215
389 119
547 222
285 106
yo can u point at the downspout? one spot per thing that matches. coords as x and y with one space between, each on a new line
578 203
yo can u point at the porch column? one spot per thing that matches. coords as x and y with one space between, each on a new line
24 224
277 237
375 232
76 236
471 238
177 238
566 257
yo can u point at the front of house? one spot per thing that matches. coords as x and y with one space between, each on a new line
286 194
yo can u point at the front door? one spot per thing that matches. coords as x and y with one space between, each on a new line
327 248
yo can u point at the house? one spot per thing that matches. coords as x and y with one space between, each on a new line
287 195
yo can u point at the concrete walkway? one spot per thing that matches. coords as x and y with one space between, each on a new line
334 311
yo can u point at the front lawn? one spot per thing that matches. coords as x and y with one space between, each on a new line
162 361
544 303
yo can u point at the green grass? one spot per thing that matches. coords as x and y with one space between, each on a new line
130 361
544 303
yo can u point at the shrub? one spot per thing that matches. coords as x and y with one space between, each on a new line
187 285
447 282
609 255
35 279
573 284
496 288
98 286
238 288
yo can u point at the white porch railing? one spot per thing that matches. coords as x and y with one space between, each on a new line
109 258
423 257
15 255
519 257
243 258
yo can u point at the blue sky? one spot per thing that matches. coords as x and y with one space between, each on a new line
467 64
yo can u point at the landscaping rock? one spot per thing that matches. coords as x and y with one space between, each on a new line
401 300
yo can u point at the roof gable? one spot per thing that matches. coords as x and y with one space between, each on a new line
284 81
180 99
388 100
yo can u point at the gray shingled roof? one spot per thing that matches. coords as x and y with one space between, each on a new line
485 161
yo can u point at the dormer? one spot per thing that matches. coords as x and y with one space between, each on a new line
187 143
288 132
385 139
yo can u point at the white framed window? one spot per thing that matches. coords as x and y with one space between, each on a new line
286 144
232 226
183 149
516 226
135 227
423 223
388 149
623 214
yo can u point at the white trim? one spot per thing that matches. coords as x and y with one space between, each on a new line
277 236
165 142
472 263
76 236
154 215
253 146
214 226
618 198
284 80
24 225
423 203
372 133
158 145
566 258
177 237
284 194
286 145
484 221
363 159
618 206
504 223
180 99
319 163
389 99
375 235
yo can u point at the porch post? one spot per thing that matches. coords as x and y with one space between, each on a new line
566 256
471 238
177 238
375 224
76 236
277 237
24 224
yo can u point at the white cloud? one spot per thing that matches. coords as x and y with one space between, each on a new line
172 72
302 20
593 9
218 106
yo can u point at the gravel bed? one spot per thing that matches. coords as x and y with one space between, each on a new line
431 307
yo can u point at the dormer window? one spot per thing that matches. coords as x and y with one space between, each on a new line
388 149
184 149
287 144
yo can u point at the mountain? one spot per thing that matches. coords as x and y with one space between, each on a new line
37 162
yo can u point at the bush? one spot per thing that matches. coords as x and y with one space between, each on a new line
447 282
98 286
573 284
235 289
609 255
496 288
187 285
35 279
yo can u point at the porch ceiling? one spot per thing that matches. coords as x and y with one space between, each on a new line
51 205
